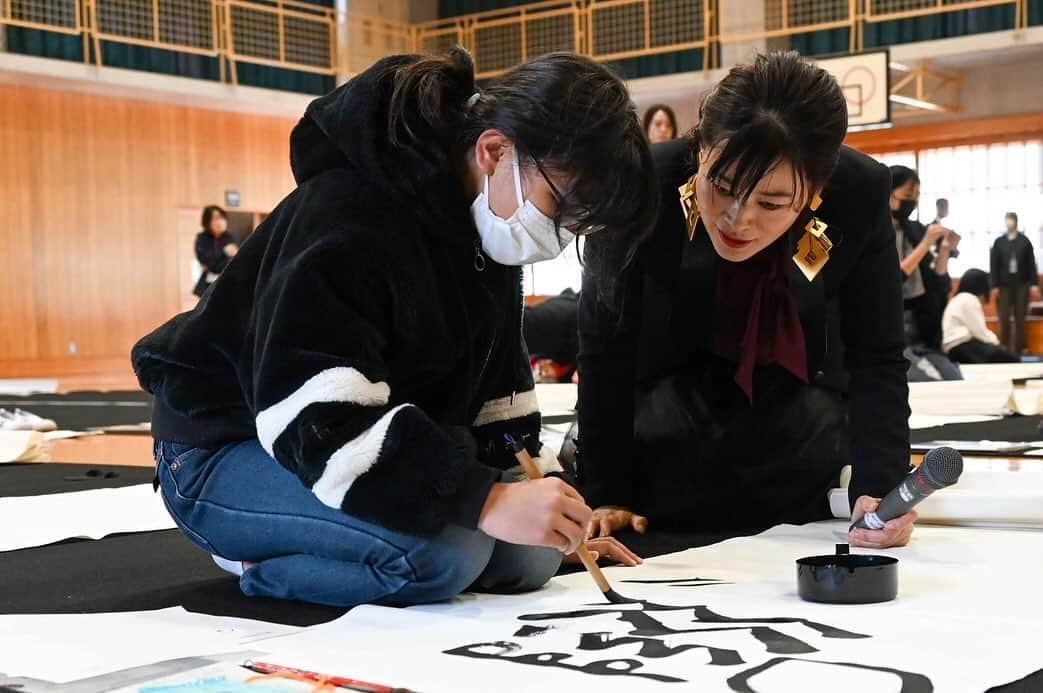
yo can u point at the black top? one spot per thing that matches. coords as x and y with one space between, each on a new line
550 328
353 335
928 308
1021 247
667 301
210 251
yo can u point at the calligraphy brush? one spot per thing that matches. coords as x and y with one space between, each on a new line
532 471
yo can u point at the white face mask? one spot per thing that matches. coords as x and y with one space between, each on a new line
526 237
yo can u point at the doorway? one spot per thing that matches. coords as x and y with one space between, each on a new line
242 223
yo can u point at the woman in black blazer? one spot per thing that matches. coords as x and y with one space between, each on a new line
215 247
735 360
1013 264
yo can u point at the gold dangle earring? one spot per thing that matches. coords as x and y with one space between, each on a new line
689 205
814 246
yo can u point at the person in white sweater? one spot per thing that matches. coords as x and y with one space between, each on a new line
965 338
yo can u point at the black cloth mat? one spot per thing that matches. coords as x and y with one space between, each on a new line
81 410
135 572
155 570
39 479
1013 428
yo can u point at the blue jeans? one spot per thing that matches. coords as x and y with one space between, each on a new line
240 504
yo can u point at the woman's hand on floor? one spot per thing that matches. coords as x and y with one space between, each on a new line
609 519
896 532
610 549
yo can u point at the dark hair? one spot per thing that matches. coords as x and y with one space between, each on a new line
566 111
1012 215
208 215
779 108
941 202
650 114
900 175
975 281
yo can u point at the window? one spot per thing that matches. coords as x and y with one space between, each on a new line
982 183
897 159
552 277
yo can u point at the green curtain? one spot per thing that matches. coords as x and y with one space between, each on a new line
284 80
161 61
452 8
918 29
940 26
667 63
822 42
44 44
1035 12
48 44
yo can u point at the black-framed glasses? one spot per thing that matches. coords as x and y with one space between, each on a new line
572 220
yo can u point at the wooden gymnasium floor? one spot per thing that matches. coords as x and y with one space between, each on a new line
134 450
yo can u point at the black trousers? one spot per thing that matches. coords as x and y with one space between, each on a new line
710 458
1013 299
977 351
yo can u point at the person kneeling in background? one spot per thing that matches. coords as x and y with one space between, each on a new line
965 338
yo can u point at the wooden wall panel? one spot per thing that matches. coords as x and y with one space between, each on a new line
91 189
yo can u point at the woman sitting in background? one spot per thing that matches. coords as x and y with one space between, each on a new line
660 124
965 338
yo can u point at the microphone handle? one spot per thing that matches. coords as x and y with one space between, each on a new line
898 502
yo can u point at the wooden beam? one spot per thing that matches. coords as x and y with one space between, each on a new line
949 133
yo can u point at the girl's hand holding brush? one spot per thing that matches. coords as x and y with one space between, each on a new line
539 512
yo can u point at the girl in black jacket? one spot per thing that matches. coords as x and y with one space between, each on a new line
342 441
713 387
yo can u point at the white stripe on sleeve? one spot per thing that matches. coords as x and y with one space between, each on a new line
352 460
506 408
342 384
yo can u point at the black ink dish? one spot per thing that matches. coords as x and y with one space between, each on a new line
845 578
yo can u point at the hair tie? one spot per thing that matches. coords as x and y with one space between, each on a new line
473 100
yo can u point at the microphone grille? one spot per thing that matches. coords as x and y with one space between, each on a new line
943 466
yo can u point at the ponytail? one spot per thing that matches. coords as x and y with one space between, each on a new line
429 101
568 112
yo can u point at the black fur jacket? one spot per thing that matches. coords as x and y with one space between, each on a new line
353 334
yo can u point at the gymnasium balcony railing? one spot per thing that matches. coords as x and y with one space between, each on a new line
303 37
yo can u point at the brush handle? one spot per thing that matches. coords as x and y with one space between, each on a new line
593 568
532 471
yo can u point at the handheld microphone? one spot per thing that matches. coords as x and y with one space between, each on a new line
941 467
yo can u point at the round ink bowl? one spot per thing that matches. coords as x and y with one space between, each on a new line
845 578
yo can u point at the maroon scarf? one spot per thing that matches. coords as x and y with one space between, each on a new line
755 319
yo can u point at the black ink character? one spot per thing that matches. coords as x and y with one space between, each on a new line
644 624
607 667
684 582
911 682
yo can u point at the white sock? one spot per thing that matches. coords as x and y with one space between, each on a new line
233 567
